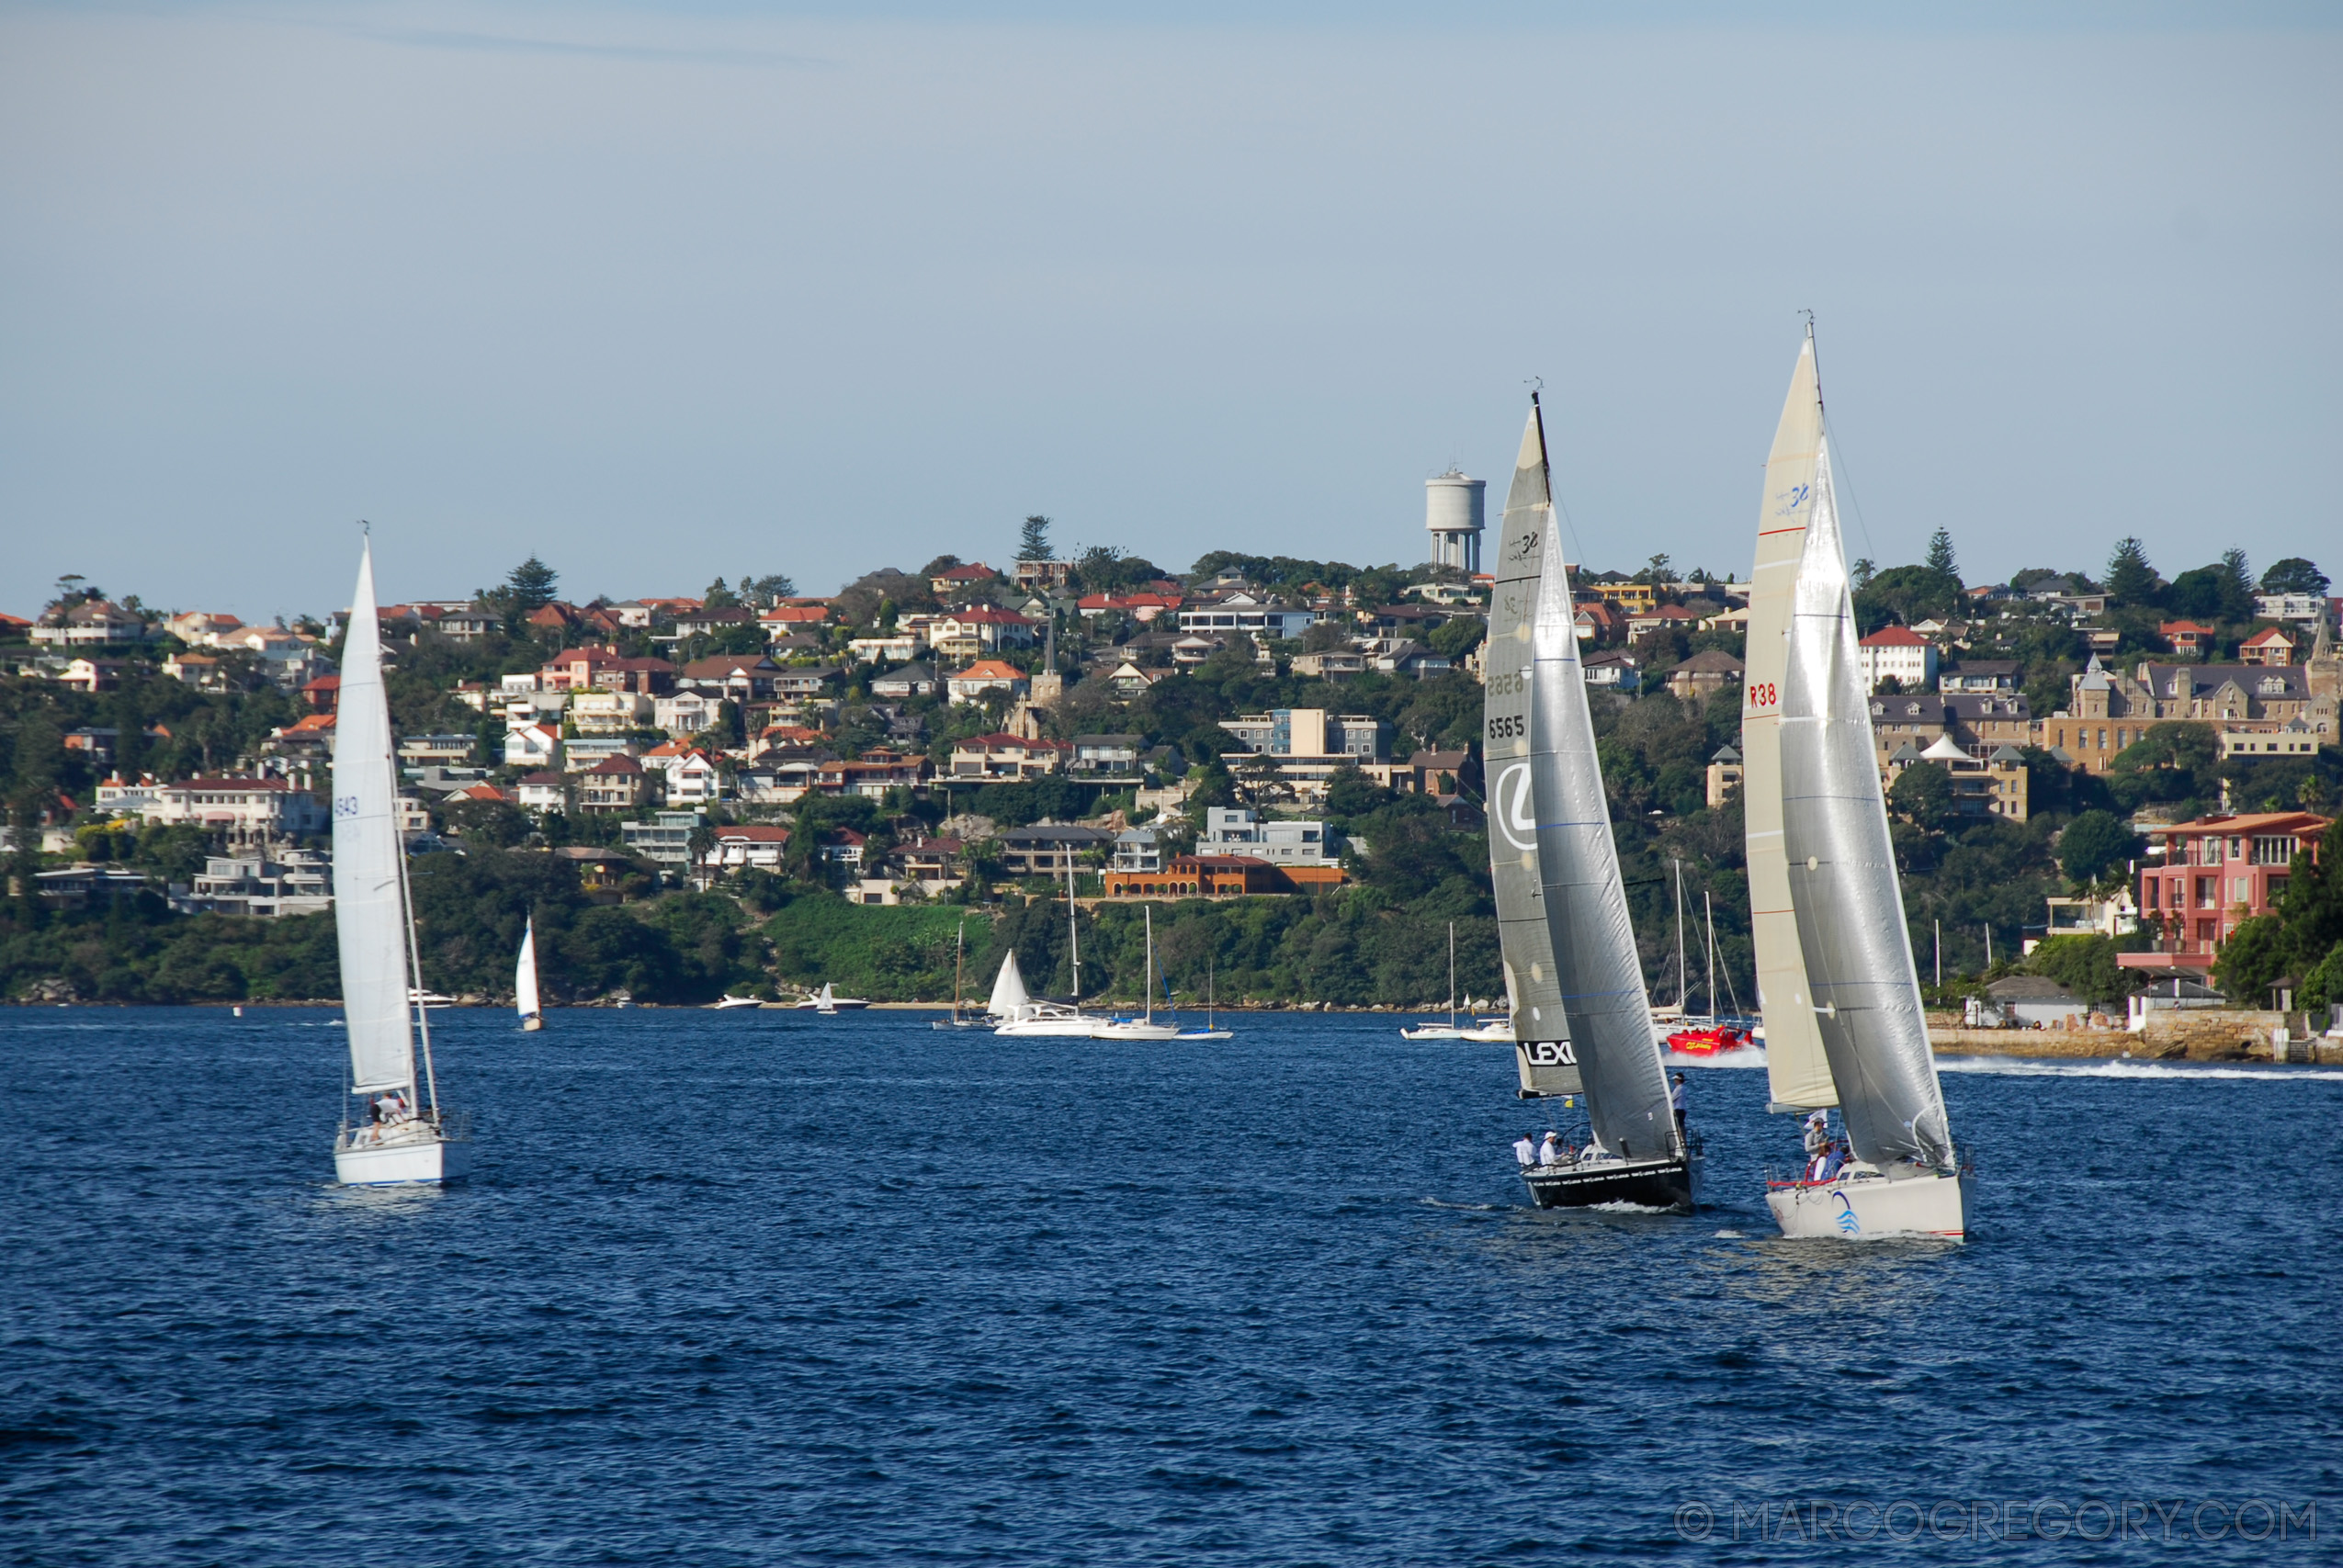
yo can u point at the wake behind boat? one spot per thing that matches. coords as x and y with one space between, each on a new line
404 1137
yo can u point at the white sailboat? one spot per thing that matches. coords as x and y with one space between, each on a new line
1856 986
403 1138
524 998
1064 1020
1450 1029
1634 1152
1143 1027
827 1002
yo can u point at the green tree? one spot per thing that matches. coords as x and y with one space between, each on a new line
2085 964
1922 794
2236 586
2093 844
529 587
2131 581
2294 575
1033 540
1939 554
2251 961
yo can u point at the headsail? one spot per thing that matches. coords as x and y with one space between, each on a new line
1009 998
1541 1034
525 976
1799 1074
1842 871
369 902
1600 977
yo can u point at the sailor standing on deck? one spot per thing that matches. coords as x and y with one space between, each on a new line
1679 1097
1525 1150
1550 1151
1818 1132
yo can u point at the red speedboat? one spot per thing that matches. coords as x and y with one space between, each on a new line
1711 1041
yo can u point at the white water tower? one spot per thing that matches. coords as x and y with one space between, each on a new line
1454 508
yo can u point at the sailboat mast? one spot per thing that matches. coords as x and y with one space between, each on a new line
1452 974
1708 910
1681 976
1148 912
1073 931
415 967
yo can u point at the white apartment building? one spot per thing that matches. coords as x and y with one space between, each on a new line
1901 652
1238 831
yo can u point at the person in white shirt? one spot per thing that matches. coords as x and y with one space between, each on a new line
1550 1152
1525 1150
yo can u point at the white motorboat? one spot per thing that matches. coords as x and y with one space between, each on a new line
727 1002
403 1137
1837 981
525 998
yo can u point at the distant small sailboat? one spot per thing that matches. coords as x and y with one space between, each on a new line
827 1001
1448 1030
524 1000
1211 1030
959 1019
403 1139
1144 1027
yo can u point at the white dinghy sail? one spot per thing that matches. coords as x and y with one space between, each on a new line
400 1140
1797 1075
524 998
1544 1060
1008 999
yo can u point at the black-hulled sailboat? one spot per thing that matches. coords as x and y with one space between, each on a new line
1550 820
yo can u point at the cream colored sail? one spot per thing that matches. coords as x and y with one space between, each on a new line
1797 1072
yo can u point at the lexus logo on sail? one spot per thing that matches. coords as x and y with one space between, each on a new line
1514 814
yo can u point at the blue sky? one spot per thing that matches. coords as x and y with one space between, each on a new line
660 293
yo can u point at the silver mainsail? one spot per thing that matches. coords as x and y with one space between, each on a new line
1597 970
1798 1074
1542 1052
1841 867
369 892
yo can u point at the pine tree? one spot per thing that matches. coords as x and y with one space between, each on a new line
1032 544
1939 554
2236 586
530 587
2130 579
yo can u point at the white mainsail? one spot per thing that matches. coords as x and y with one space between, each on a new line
1542 1051
525 976
1798 1073
1009 998
1597 970
1842 866
369 887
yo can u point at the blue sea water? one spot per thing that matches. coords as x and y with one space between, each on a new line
752 1288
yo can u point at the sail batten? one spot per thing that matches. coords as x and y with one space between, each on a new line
1598 972
369 904
1797 1070
1543 1055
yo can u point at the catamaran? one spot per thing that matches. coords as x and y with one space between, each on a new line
401 1139
1552 833
524 1000
1844 1024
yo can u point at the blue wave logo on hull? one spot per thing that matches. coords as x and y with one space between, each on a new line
1847 1224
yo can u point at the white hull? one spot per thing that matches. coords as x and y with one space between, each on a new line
422 1156
1867 1205
1135 1029
531 1025
729 1003
1205 1034
1060 1028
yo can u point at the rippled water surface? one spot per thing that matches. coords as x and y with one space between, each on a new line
751 1288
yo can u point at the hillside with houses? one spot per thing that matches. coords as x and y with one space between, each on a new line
758 790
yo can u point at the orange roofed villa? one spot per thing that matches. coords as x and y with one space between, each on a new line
2215 873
